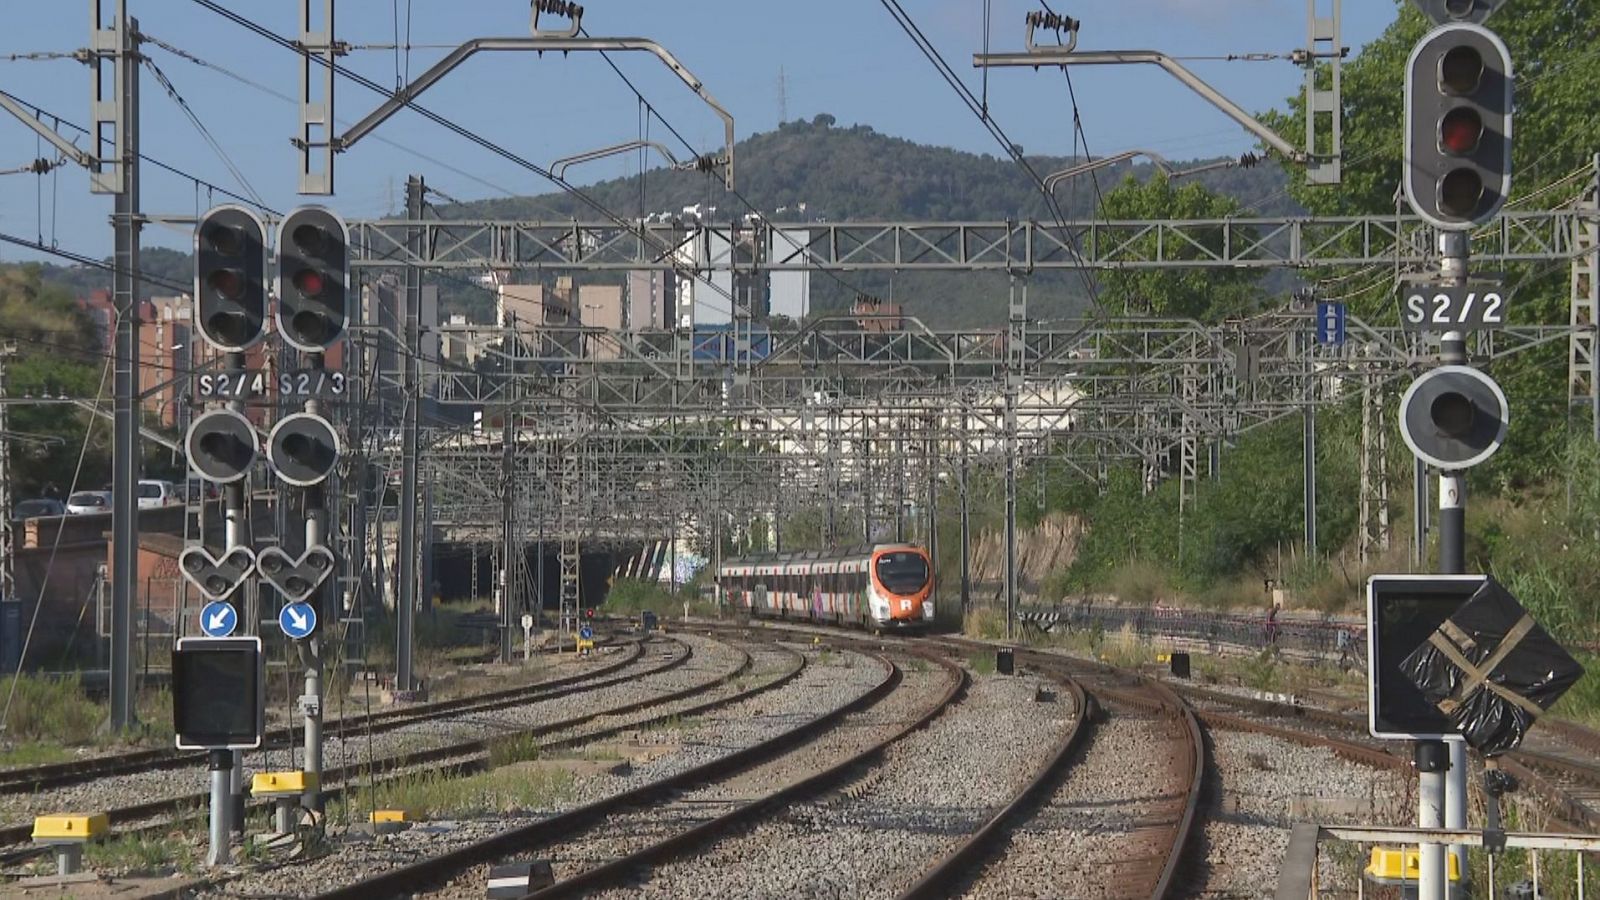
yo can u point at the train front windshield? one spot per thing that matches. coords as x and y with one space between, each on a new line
903 573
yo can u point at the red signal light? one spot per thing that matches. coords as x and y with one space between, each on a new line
226 282
308 282
1460 130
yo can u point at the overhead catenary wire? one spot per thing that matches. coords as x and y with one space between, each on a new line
205 133
55 546
976 107
143 157
456 128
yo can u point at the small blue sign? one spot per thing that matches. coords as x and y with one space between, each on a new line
1330 323
298 620
586 633
218 618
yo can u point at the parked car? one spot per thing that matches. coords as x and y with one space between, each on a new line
153 494
88 503
196 490
38 509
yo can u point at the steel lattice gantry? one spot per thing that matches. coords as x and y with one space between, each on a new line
1021 246
646 438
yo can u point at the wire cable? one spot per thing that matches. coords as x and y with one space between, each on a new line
973 104
216 147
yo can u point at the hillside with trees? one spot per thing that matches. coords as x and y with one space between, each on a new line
820 171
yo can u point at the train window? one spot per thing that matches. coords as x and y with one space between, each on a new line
903 573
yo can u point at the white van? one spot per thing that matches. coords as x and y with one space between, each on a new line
154 494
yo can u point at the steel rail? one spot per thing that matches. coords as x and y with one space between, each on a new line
967 857
618 869
21 832
50 775
405 880
476 750
1528 766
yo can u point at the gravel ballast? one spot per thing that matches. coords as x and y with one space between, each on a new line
1265 785
820 687
711 659
874 837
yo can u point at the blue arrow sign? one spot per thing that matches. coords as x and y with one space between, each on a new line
298 620
586 633
1330 323
218 618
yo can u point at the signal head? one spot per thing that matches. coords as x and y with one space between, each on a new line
230 278
221 446
1458 126
313 278
303 449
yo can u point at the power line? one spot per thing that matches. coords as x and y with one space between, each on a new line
455 128
142 156
272 92
978 109
216 147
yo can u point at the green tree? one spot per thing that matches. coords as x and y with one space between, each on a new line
57 356
1552 50
1195 293
1554 141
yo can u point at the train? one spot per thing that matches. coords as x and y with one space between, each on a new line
881 587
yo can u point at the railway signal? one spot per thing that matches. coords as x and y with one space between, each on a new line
221 446
303 449
313 278
230 278
1445 11
1454 417
1457 160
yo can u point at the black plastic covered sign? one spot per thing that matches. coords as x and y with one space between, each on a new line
1491 670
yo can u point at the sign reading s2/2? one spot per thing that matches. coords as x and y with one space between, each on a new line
1434 308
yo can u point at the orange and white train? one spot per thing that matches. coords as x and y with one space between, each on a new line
882 587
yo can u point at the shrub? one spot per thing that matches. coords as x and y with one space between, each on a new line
985 623
50 709
1137 583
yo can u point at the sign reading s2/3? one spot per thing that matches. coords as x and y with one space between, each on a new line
311 383
1427 307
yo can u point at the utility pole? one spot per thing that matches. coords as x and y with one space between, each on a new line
10 606
1454 247
508 486
121 43
405 605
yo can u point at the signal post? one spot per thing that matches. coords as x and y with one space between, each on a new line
313 295
1456 175
231 277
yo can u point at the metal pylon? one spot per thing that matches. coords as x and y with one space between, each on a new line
1375 533
1583 376
570 516
1188 443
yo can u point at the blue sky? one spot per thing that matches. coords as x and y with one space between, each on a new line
844 57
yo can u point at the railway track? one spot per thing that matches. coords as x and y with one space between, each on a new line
32 779
460 757
1565 778
1160 828
1148 862
684 810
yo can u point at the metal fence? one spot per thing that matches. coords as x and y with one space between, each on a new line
1546 866
1323 638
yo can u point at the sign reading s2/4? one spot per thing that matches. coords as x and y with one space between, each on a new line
1427 307
235 385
